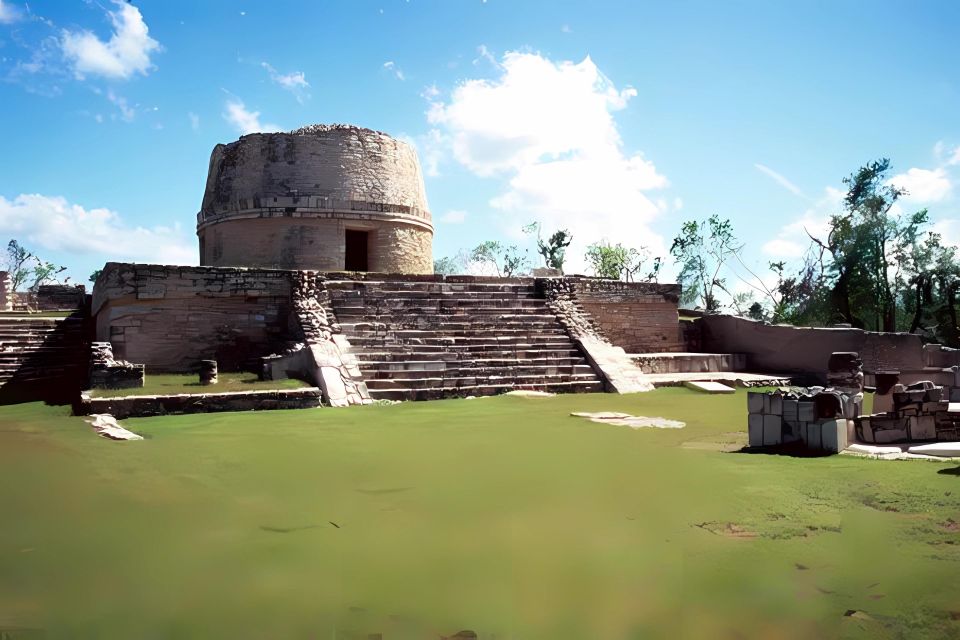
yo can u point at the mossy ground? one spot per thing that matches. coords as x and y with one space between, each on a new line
505 516
172 383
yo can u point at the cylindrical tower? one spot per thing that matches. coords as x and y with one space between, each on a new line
323 197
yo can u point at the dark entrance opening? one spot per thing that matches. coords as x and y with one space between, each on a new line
356 251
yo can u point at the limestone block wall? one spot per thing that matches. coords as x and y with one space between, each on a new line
6 291
284 200
171 317
640 317
788 349
315 243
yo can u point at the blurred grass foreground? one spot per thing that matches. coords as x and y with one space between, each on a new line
504 516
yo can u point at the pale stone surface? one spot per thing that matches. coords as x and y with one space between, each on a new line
108 427
791 409
709 387
755 402
776 404
627 420
285 200
939 449
922 428
813 440
772 430
529 393
755 429
833 435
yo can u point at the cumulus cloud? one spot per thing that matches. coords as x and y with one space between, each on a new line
792 240
127 113
126 53
547 129
245 121
54 224
295 82
8 13
923 185
454 216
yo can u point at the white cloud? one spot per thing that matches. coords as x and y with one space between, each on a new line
245 121
677 203
949 230
547 128
955 158
392 67
779 179
53 224
127 112
126 52
295 82
923 185
566 29
194 121
8 13
484 54
793 239
453 216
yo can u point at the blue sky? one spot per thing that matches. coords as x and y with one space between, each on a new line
618 120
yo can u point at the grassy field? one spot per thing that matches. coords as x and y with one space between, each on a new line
172 383
504 516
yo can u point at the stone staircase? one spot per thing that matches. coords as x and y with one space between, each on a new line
432 338
41 357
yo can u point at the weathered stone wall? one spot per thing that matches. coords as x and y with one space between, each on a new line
283 200
60 296
142 406
6 291
169 318
787 349
315 244
640 317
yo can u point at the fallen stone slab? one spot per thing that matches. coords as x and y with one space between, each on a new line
627 420
529 393
107 426
708 387
939 449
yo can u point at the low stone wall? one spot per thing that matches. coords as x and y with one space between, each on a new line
51 297
640 317
143 406
171 317
6 291
788 349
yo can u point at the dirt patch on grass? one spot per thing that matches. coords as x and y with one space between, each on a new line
727 530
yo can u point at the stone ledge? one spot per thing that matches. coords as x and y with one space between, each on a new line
144 406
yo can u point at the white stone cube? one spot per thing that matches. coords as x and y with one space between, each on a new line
833 434
755 402
772 430
805 411
776 404
755 429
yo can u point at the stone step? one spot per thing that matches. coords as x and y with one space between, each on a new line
479 371
407 364
441 323
404 354
516 380
458 334
689 362
438 393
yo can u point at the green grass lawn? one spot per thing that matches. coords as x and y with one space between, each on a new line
157 384
504 516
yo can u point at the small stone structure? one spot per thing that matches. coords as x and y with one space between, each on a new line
141 406
816 418
6 291
920 411
208 372
109 373
323 197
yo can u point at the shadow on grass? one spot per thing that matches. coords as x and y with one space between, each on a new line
952 471
791 450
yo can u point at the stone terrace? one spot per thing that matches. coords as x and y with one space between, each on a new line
432 337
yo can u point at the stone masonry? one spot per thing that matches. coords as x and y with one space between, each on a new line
289 200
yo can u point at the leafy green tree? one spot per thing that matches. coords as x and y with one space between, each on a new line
507 261
24 266
619 262
702 249
96 274
553 250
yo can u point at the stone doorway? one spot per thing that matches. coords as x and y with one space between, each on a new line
356 250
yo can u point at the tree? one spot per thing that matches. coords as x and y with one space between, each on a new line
507 261
619 262
24 266
554 249
96 274
702 249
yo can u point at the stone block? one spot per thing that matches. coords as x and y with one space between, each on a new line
833 435
772 430
806 411
755 402
776 404
866 430
755 429
813 436
922 428
791 409
791 431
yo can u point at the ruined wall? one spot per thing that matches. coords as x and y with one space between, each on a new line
640 317
316 244
787 349
283 200
169 318
6 291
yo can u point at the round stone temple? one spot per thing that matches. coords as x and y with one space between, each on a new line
323 197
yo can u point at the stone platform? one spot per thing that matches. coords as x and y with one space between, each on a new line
689 362
730 378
